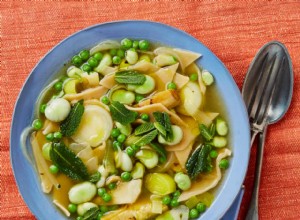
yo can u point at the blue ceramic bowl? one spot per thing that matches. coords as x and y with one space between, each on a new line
26 175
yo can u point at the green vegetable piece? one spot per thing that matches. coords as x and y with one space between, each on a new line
84 55
106 197
126 43
144 128
201 207
98 56
130 77
131 56
46 151
160 150
72 208
124 129
213 154
194 77
138 171
37 124
67 162
166 200
95 177
50 137
142 140
130 151
121 114
69 126
219 142
204 131
160 184
126 176
112 186
91 214
57 135
123 96
115 132
86 67
101 191
193 213
105 100
174 202
171 86
224 164
108 159
207 78
221 127
183 181
145 117
212 129
93 62
144 45
116 60
121 138
76 60
43 108
161 129
113 52
58 86
53 169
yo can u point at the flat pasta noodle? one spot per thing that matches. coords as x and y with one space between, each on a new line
144 66
208 181
91 93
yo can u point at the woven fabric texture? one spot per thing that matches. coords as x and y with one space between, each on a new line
233 30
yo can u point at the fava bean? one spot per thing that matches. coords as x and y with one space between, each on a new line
123 96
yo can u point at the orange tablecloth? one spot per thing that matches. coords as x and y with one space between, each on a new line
233 31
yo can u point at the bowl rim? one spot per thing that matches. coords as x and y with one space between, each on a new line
243 169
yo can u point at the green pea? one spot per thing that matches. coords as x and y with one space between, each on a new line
194 77
58 86
130 151
86 67
112 186
135 44
115 132
174 202
99 216
121 138
37 124
135 147
117 145
104 208
106 197
93 62
126 43
105 100
113 52
144 45
201 207
116 60
224 164
145 117
176 194
50 137
171 86
76 60
213 154
57 135
126 176
101 191
98 56
120 53
166 200
193 213
79 218
84 55
53 169
72 208
43 108
138 98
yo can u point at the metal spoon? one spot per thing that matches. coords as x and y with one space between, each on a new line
267 92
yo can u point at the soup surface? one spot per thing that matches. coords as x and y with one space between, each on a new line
131 131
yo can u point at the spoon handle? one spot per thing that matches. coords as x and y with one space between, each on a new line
253 207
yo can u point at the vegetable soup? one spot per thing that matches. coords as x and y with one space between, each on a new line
130 131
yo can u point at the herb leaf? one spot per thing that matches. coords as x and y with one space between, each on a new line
160 150
69 126
121 114
144 128
91 214
130 77
198 161
142 140
67 162
95 177
205 132
164 120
